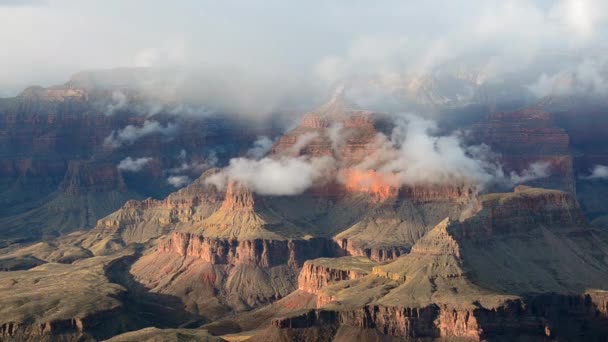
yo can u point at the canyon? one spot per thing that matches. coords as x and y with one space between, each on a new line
106 254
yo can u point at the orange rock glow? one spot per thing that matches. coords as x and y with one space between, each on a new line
371 182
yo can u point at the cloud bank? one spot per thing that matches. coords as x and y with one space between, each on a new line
244 63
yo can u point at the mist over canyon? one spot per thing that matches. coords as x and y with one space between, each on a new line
319 171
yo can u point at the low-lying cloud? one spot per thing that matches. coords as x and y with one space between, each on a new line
414 154
590 77
131 133
275 176
597 172
178 181
260 148
133 165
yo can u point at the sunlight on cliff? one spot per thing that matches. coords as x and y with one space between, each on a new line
371 182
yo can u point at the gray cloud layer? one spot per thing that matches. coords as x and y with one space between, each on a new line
257 54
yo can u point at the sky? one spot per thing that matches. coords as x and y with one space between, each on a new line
275 42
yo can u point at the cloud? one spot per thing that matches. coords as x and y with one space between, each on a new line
597 172
536 170
260 148
589 77
275 176
178 181
117 102
131 133
415 154
193 166
303 141
247 65
133 165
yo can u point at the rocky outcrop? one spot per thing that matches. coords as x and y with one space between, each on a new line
317 274
523 211
541 318
84 177
376 253
139 221
259 252
527 136
335 129
405 322
56 93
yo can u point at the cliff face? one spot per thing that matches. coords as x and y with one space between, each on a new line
527 136
523 211
139 221
216 276
259 252
542 318
317 274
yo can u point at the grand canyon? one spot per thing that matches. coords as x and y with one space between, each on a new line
410 190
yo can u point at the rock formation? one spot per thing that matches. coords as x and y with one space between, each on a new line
527 136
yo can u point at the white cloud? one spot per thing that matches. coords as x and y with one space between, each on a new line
275 176
130 133
260 148
193 166
133 165
146 58
266 66
536 170
589 77
415 155
179 181
597 172
117 102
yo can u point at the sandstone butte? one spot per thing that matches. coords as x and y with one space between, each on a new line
356 259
